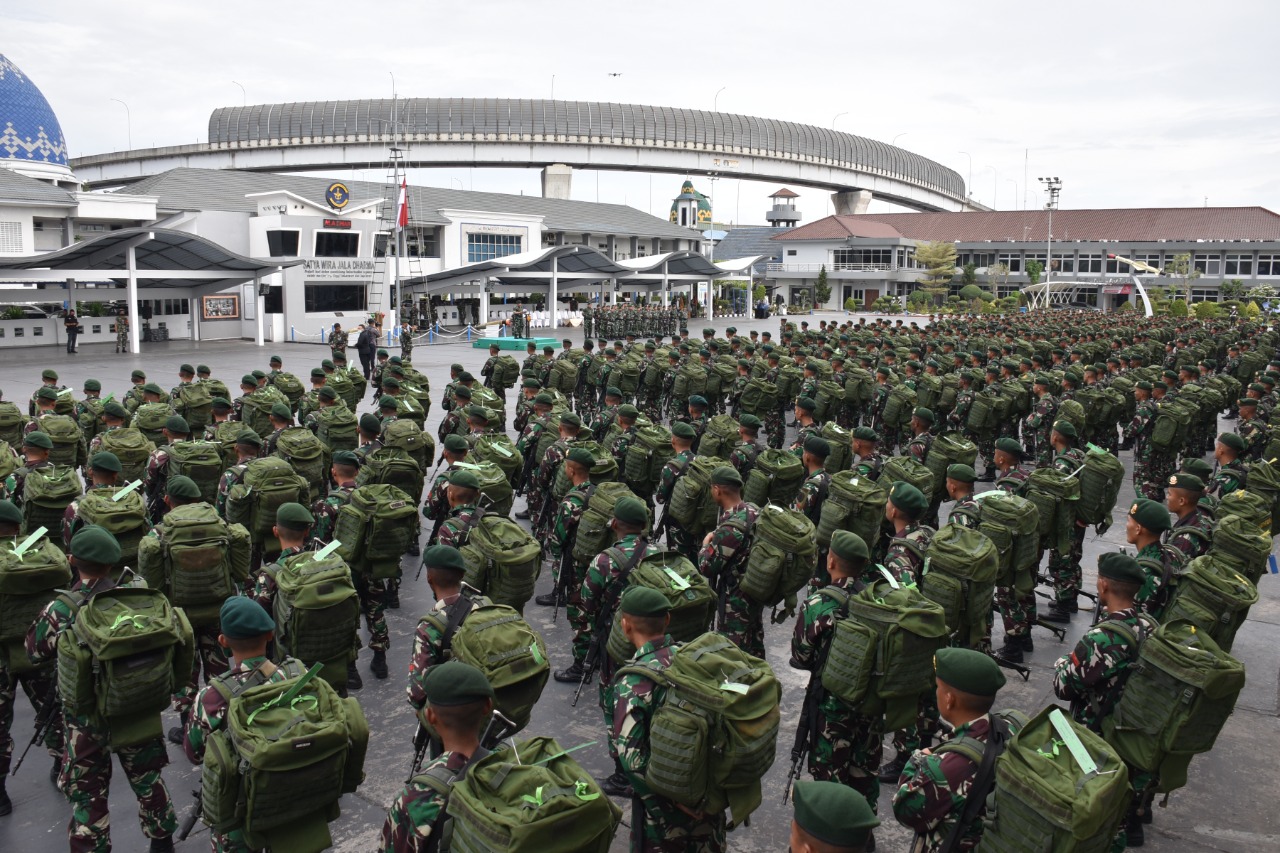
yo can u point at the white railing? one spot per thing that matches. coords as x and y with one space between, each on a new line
837 267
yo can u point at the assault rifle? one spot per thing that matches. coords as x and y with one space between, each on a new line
604 618
190 822
807 728
489 739
44 720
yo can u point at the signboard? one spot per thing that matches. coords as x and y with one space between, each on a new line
337 223
1118 289
338 269
337 195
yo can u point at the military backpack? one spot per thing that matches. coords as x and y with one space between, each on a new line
317 612
336 427
775 478
46 494
150 419
1214 597
30 577
500 450
720 436
502 559
646 456
68 440
202 462
267 483
691 505
376 526
12 423
196 559
840 440
692 601
1100 481
594 533
193 402
122 513
855 504
1241 545
388 466
1054 494
781 558
308 458
960 570
133 449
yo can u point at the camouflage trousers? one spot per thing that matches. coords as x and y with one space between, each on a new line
677 408
584 402
986 447
679 539
373 604
848 749
925 729
36 685
210 658
86 780
741 620
775 429
659 827
1151 471
1017 605
650 405
1065 573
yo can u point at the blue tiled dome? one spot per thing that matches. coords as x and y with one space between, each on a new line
30 135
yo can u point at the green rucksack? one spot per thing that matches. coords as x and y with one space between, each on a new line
125 655
1264 480
202 462
1177 698
496 640
90 420
714 730
1100 481
720 437
194 404
563 376
503 559
899 407
1054 494
317 612
1044 799
533 797
307 457
1214 597
960 570
1173 419
880 660
196 559
829 400
267 484
626 376
948 449
840 441
692 600
46 494
759 398
150 419
691 505
336 427
790 378
928 390
775 478
905 469
387 466
1013 524
1252 508
498 449
282 738
122 513
1241 545
496 494
506 371
594 533
68 440
604 468
983 414
781 557
646 455
29 579
133 449
290 386
12 423
855 504
255 412
859 387
375 527
690 379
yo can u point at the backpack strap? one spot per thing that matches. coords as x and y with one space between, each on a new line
1127 632
986 754
456 613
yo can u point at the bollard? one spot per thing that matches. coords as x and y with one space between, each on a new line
468 331
293 334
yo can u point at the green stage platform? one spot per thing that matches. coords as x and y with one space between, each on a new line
514 343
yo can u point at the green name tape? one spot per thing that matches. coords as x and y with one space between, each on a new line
119 496
1072 742
327 550
29 541
893 582
734 687
677 582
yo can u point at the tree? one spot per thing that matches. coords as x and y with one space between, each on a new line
851 304
1261 293
1251 310
939 261
969 274
1233 289
1205 310
972 291
1182 269
997 274
1178 308
822 290
1034 268
758 292
1125 307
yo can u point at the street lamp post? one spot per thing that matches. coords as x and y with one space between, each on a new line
995 187
715 102
244 96
128 121
837 118
1054 188
899 136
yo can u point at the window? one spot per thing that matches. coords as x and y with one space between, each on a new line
334 244
791 253
1207 263
1089 263
282 244
1012 260
1064 263
855 259
11 237
38 331
273 302
1240 264
1268 264
328 298
486 247
96 329
1204 294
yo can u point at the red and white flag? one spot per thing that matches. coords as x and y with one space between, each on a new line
402 205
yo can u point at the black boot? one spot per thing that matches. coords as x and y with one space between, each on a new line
1134 836
1011 651
354 681
414 549
393 595
523 514
617 784
551 599
573 674
988 476
6 805
1061 611
162 845
890 772
178 734
378 666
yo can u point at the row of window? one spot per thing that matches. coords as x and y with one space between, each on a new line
486 247
1207 263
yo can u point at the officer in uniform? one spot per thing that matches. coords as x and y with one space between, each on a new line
1192 533
1137 434
436 506
463 494
1231 473
563 528
248 447
814 489
966 511
743 458
830 818
454 600
1147 522
867 461
1038 424
1064 569
723 561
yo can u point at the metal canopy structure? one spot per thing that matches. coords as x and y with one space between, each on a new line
140 258
1050 293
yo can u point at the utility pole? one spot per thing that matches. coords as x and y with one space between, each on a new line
1054 188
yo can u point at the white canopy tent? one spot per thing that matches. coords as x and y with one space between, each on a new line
1067 292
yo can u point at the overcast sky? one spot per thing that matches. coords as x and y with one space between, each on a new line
1130 102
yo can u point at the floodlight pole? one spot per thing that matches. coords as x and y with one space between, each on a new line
1054 188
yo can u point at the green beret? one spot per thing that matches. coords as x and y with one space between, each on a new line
242 618
464 479
726 475
455 443
1170 374
222 404
571 419
833 813
1246 403
178 424
1143 385
386 401
1044 379
744 362
259 374
968 671
327 362
995 371
865 433
383 354
325 393
390 382
1010 446
961 473
708 331
95 545
698 400
683 429
812 364
1118 566
1258 386
280 410
612 391
807 404
137 374
1187 482
626 410
631 511
1065 428
923 414
908 498
249 438
454 683
115 410
1199 467
1151 515
1230 439
530 382
346 457
444 557
544 399
105 461
749 421
247 379
643 601
186 369
37 439
370 424
46 392
92 385
294 516
883 371
179 486
582 456
9 513
49 374
203 369
818 446
849 546
275 359
317 373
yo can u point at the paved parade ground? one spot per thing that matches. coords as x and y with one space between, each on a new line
1226 806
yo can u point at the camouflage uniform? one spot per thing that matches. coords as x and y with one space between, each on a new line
1065 572
1037 427
665 828
1017 603
869 466
337 341
678 538
966 512
428 646
1191 534
1156 561
71 520
371 592
1147 463
904 560
1255 434
457 527
563 529
803 432
844 746
406 344
743 458
723 561
1227 479
415 810
86 768
436 506
603 579
264 585
122 334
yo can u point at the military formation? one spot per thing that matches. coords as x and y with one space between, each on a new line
229 555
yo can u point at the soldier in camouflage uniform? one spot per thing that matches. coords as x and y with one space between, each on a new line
1232 472
248 448
682 439
623 435
723 561
459 702
1038 424
122 331
743 458
806 426
132 398
1254 431
739 385
406 341
1137 434
1093 675
463 493
337 339
454 421
527 444
563 527
867 461
247 630
845 746
966 511
544 474
935 787
436 506
1192 533
1146 524
1064 569
445 569
662 827
104 473
1017 603
86 768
